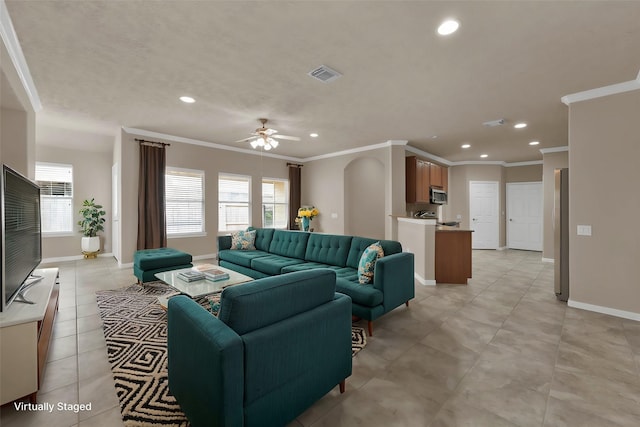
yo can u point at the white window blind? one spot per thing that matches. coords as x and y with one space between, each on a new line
184 201
275 203
234 194
56 197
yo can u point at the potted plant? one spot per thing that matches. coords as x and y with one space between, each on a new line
91 223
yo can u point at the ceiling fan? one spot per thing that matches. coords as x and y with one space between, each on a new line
265 137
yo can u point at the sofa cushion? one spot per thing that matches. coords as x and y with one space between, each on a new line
263 302
242 258
263 238
305 266
273 264
243 240
328 249
291 244
367 263
363 295
359 244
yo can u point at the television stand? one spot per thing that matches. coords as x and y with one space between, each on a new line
25 333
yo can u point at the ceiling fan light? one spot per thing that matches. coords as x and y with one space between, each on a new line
267 147
273 142
254 144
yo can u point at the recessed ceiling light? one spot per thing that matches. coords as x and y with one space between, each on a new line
434 136
187 99
534 143
520 125
313 135
484 155
466 145
449 26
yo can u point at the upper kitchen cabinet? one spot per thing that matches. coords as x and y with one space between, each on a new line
435 174
417 180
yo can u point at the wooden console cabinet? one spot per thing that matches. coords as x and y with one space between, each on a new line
25 333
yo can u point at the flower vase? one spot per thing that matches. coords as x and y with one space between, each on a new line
305 223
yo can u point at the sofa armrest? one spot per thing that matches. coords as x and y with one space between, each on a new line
224 242
394 276
205 363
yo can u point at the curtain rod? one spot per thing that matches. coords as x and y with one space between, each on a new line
294 165
143 141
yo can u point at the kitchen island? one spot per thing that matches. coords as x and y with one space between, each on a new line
452 255
442 253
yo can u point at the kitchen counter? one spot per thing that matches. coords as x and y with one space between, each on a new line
449 228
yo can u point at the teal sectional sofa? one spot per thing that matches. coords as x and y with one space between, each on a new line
278 345
282 251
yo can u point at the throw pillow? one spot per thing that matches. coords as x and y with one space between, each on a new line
243 240
367 263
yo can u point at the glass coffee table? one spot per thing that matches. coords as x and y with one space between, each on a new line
198 288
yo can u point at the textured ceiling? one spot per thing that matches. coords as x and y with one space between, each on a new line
126 63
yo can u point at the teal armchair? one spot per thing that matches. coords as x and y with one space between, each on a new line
278 345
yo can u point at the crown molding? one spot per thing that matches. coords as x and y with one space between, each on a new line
174 138
10 40
602 91
516 164
428 155
554 149
357 150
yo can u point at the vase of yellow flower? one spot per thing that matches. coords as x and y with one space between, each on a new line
305 215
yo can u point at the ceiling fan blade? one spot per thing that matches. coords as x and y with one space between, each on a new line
245 139
291 138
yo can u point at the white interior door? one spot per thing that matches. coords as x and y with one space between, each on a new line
484 211
524 215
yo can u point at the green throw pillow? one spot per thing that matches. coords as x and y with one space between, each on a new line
243 240
367 263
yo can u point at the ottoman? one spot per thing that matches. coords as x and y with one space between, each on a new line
148 262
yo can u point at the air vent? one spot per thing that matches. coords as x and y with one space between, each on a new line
494 123
324 74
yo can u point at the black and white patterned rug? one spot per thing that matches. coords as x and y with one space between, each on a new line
135 330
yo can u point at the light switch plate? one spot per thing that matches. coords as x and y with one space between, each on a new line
584 230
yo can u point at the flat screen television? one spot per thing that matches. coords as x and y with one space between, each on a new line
21 249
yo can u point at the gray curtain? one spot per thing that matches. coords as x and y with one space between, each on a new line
294 193
152 232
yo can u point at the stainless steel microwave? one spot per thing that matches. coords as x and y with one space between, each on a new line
438 197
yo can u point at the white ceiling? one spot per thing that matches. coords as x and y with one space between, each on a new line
99 65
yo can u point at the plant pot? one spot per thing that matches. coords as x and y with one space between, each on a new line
90 246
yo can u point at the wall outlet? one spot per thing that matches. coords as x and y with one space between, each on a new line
334 215
458 216
584 230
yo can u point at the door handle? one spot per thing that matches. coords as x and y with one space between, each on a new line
510 219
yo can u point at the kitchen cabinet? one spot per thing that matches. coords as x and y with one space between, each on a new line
435 174
421 176
418 180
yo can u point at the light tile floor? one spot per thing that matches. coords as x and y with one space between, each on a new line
501 351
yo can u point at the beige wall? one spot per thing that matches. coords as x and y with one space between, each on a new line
528 173
552 161
212 162
603 159
91 179
331 185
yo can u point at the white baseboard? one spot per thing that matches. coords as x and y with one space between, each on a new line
127 265
551 260
70 258
502 248
425 282
604 310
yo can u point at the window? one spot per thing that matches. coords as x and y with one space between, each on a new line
184 201
234 193
275 203
56 197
